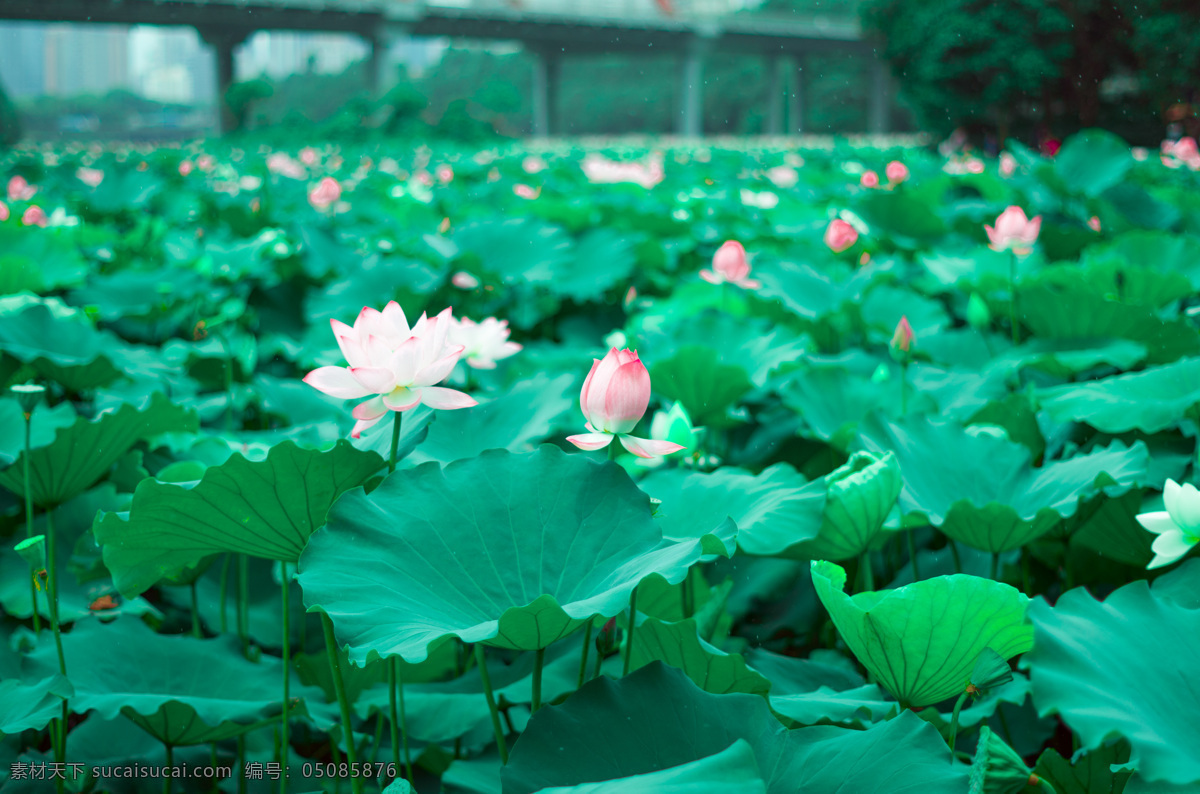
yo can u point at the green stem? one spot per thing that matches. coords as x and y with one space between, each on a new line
339 686
954 723
378 737
37 620
587 646
170 765
904 388
957 561
598 665
399 417
614 449
243 602
1026 572
1012 304
399 717
287 673
912 554
1046 787
224 592
52 598
491 701
241 763
996 565
629 639
539 661
868 575
196 632
689 596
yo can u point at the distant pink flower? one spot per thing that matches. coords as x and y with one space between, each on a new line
19 189
840 235
308 155
396 363
614 398
483 343
3 212
1008 164
34 216
1094 223
783 176
424 178
1013 231
464 280
864 259
730 264
1185 150
903 337
602 171
185 167
896 172
327 192
91 177
206 162
281 163
532 164
526 192
869 179
445 174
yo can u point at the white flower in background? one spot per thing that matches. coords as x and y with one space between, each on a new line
1177 527
483 343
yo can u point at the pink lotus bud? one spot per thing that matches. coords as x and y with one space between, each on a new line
1013 231
424 178
896 172
1140 153
464 280
526 192
91 177
630 297
444 226
308 155
445 174
864 259
614 398
840 235
185 168
730 264
1094 223
903 338
3 212
19 189
869 179
327 192
34 216
1008 165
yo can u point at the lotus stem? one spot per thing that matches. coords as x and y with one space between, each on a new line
1026 572
957 560
241 763
629 640
539 662
996 565
196 632
868 576
954 723
399 718
339 687
37 620
287 672
1012 304
613 449
399 417
224 592
491 701
599 664
688 595
904 388
587 641
912 555
60 747
378 736
169 766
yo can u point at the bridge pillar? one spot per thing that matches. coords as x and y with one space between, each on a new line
383 71
776 90
879 101
223 40
691 88
547 75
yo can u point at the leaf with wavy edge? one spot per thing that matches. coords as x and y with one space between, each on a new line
731 771
1151 400
922 640
57 340
512 550
82 452
25 706
710 668
1124 666
263 508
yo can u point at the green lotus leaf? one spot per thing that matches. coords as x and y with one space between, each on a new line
1151 400
657 719
513 550
604 258
859 496
707 388
904 219
1064 358
731 771
179 689
1088 773
856 707
833 400
25 706
774 510
1113 531
1179 584
38 260
516 250
265 509
1164 253
83 452
681 646
922 640
997 768
59 341
982 490
807 293
12 427
1122 667
789 675
1092 161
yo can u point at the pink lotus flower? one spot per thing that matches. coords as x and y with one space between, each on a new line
398 364
282 164
308 155
532 164
91 177
445 174
526 192
903 338
730 264
20 190
1013 231
896 172
1008 165
206 162
1094 223
602 171
185 167
327 192
483 343
34 216
783 176
840 235
614 399
464 280
869 179
3 212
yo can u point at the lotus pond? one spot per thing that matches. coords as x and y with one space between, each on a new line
663 468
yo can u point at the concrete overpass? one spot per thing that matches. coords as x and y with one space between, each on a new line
550 29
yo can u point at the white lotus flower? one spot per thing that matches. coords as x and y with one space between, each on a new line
1177 527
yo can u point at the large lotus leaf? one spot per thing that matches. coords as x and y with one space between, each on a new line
732 771
59 341
851 707
680 645
806 292
25 706
42 430
128 293
1092 161
1162 252
603 259
1081 313
789 675
1122 667
707 388
859 496
774 510
1087 773
525 250
514 550
832 400
179 689
265 509
906 220
1179 585
1113 531
1066 357
1151 400
945 466
657 719
922 640
82 453
38 260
